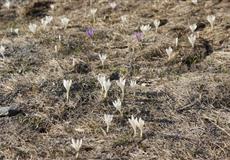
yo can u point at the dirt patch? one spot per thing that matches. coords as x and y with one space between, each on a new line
38 9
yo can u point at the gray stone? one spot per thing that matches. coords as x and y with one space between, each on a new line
9 111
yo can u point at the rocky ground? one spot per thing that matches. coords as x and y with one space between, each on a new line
184 101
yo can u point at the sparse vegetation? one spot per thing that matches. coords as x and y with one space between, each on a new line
65 66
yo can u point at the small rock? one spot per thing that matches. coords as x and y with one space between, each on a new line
83 68
9 111
114 76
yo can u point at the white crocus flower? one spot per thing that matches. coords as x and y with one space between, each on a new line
65 22
133 83
93 12
136 123
33 28
59 38
140 124
67 84
76 145
211 19
105 84
46 20
194 2
2 50
124 19
102 58
156 24
101 79
52 7
193 27
145 28
121 84
117 105
16 30
55 48
108 119
133 122
192 39
169 52
49 19
176 41
113 5
7 4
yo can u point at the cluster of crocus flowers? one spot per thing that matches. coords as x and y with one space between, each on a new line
105 84
192 37
136 123
46 20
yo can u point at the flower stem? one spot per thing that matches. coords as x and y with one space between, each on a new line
134 132
141 133
67 95
122 95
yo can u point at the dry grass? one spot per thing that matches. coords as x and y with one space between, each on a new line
184 102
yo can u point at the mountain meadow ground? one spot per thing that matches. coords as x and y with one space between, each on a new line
115 79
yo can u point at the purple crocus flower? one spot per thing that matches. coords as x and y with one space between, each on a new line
90 32
139 36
